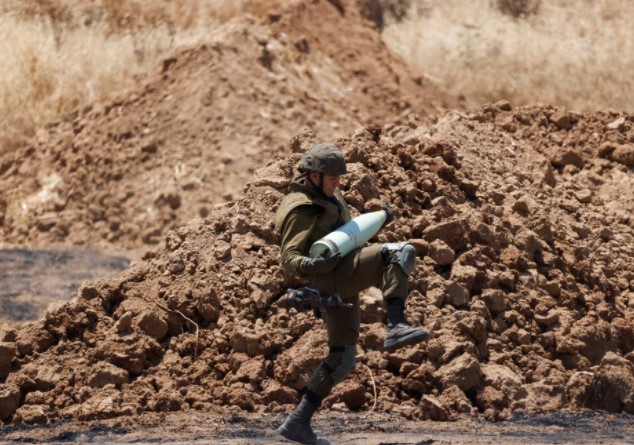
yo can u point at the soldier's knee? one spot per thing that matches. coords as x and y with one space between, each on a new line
340 362
347 363
403 254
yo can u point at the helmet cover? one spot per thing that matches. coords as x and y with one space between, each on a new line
323 158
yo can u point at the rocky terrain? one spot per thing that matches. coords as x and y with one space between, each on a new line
521 218
525 278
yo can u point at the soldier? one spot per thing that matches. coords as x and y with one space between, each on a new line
313 209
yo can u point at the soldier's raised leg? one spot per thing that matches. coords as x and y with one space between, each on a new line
388 267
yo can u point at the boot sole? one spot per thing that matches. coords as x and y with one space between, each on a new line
408 340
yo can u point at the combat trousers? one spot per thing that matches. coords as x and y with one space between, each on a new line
357 271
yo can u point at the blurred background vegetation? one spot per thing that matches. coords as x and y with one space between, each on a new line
57 55
579 55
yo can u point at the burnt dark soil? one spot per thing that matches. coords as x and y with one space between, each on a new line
336 427
33 279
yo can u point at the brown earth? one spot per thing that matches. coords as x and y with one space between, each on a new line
191 135
521 218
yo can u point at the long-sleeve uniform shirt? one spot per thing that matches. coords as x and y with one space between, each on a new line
304 216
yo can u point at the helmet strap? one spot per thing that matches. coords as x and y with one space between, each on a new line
320 185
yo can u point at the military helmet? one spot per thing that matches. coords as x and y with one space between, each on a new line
323 158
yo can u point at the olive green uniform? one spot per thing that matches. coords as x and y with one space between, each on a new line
304 216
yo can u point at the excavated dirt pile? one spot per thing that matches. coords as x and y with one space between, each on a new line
120 174
525 276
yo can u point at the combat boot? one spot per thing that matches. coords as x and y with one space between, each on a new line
399 333
297 425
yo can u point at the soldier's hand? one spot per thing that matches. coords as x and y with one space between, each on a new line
320 264
389 211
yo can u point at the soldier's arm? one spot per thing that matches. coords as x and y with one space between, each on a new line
295 235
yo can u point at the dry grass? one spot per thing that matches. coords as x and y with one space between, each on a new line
58 55
579 55
43 77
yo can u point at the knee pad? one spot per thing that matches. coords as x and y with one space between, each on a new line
347 363
403 254
338 364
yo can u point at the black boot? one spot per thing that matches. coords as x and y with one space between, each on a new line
297 425
399 333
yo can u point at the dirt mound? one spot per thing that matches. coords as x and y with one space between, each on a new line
123 173
524 277
595 151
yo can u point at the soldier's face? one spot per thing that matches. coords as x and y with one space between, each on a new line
331 183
